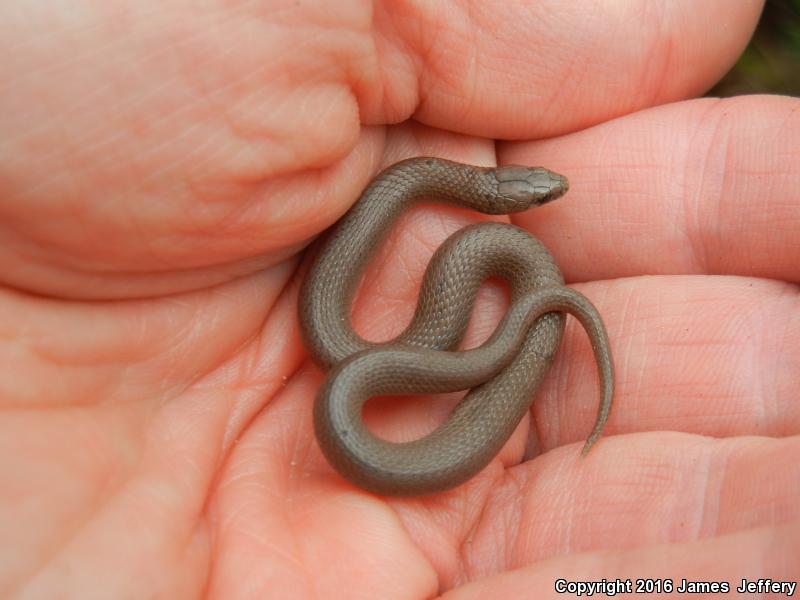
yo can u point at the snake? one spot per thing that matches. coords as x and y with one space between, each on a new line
502 375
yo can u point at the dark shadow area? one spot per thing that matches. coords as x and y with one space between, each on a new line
771 62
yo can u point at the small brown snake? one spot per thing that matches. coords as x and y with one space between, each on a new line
503 373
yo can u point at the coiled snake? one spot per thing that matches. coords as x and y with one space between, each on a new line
503 373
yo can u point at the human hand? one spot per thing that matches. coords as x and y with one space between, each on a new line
162 166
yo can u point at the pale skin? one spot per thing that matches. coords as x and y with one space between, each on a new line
161 170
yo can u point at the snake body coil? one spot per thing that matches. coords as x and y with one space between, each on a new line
503 373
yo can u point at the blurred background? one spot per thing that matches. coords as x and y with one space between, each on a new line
771 62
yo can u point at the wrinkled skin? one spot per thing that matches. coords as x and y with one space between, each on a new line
163 164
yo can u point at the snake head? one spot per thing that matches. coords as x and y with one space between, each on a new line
524 187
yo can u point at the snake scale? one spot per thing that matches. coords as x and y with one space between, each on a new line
502 374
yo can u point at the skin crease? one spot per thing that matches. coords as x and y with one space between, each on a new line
160 168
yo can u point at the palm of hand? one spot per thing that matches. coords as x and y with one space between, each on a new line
156 401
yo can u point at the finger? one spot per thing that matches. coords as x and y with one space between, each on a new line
538 69
653 505
712 356
755 558
707 186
